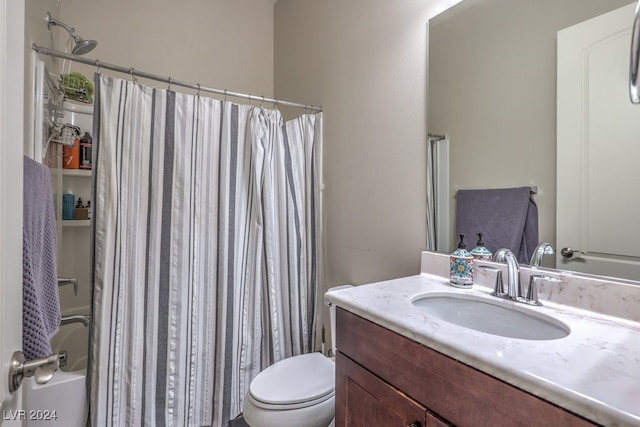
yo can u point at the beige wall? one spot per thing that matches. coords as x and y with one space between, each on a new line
365 62
217 43
36 32
492 89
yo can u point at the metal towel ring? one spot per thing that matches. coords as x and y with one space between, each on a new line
634 68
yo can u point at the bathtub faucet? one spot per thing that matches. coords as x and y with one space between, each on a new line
75 318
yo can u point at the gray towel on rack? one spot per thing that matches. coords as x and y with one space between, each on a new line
41 307
506 217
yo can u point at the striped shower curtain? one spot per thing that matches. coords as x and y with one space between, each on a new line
207 252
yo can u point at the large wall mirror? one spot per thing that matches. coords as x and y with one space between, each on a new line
492 89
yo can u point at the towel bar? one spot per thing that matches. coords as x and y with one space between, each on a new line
534 189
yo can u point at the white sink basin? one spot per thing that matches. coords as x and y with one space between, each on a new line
491 317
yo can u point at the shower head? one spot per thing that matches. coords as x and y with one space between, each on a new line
82 46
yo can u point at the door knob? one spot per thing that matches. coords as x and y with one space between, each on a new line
42 369
570 253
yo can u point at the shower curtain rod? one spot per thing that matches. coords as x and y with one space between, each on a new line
99 64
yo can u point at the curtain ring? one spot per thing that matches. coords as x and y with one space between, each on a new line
275 103
169 87
198 93
225 95
262 102
131 70
98 66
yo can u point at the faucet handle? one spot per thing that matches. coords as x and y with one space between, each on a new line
498 286
532 291
69 281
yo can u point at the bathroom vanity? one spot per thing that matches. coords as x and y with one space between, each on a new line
399 366
375 378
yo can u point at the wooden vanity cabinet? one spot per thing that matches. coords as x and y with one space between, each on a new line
368 401
385 379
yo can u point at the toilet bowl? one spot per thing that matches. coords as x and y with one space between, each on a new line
295 392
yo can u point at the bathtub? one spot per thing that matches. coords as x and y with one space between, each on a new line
62 401
59 403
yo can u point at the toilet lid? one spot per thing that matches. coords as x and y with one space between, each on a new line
295 380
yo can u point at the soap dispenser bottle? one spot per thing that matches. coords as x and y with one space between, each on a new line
480 251
461 263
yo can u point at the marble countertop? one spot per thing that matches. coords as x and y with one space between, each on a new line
593 372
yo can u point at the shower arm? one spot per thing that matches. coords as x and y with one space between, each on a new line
82 46
51 22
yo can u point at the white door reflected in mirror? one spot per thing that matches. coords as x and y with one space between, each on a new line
598 150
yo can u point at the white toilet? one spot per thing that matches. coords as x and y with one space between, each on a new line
295 392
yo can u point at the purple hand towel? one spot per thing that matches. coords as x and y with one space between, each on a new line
506 217
41 307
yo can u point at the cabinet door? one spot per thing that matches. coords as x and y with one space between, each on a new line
435 421
364 400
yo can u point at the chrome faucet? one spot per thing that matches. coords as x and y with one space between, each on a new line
514 286
514 290
513 274
539 252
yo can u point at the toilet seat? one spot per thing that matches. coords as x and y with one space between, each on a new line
294 383
319 415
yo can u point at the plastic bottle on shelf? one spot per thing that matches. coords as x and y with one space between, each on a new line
81 212
86 143
71 155
68 205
